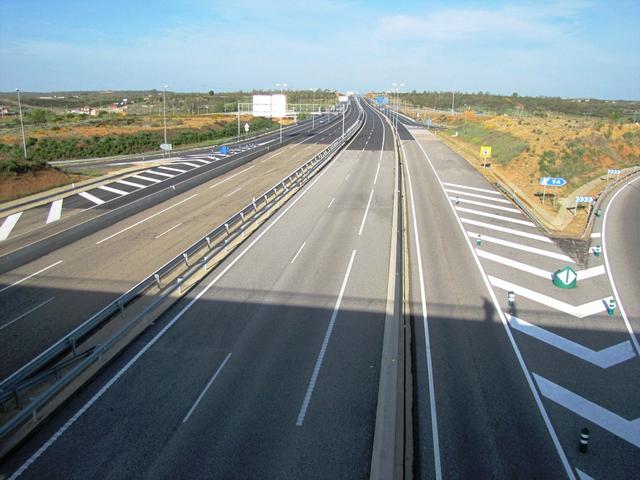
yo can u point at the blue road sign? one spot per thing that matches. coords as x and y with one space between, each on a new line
224 150
382 100
553 181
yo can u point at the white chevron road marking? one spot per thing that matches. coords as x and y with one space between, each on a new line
476 195
511 231
484 204
493 192
519 246
497 217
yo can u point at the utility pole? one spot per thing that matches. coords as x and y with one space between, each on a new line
24 141
164 116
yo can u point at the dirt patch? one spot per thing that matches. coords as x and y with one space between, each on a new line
13 187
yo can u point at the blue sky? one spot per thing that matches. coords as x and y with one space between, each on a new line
565 48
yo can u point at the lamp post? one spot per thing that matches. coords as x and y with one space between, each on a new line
24 141
313 105
164 116
281 86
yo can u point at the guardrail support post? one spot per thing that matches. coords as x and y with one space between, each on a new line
242 216
255 209
121 305
226 225
208 242
185 255
180 280
157 277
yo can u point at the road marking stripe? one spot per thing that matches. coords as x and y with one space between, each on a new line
145 219
605 358
167 231
112 190
26 313
475 195
497 217
583 476
591 272
298 252
595 235
579 311
375 180
366 211
131 184
29 276
91 198
493 192
147 179
187 163
171 169
524 248
200 160
483 204
162 174
323 348
628 430
8 224
331 202
195 405
512 231
235 191
229 178
55 211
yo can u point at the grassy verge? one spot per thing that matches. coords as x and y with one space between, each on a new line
505 147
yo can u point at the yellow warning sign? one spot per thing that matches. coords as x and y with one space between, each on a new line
485 151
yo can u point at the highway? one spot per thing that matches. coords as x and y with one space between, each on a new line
47 297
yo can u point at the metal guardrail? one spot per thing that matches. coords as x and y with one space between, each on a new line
43 367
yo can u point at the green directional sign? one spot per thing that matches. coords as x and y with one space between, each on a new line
565 278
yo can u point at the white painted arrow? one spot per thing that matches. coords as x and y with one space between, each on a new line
628 430
580 311
604 358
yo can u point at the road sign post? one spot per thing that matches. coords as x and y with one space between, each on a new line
246 128
551 182
611 306
485 153
565 278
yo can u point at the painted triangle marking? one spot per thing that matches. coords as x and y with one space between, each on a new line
605 358
628 430
579 311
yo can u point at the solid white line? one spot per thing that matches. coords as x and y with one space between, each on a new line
520 233
523 367
425 324
231 193
147 179
583 476
323 348
26 313
195 405
187 163
475 195
229 178
162 174
524 248
366 211
483 204
579 311
515 264
493 192
29 276
347 177
131 184
595 235
112 190
375 180
605 358
91 198
167 231
628 430
171 169
497 217
623 312
55 212
298 252
331 202
591 272
145 219
164 330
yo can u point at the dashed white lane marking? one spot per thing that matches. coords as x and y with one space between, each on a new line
112 190
331 202
30 276
476 195
493 192
497 217
298 252
171 169
582 274
195 405
628 430
200 160
230 177
596 235
512 231
8 224
162 174
323 348
131 184
483 204
366 211
524 248
187 163
91 198
26 313
167 231
234 191
605 358
55 212
145 219
579 311
146 179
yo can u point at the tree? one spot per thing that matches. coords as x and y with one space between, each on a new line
211 93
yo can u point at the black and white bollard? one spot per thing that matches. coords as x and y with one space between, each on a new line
584 440
457 200
511 298
478 240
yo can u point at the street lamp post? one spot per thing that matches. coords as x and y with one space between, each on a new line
164 116
24 141
313 105
281 86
